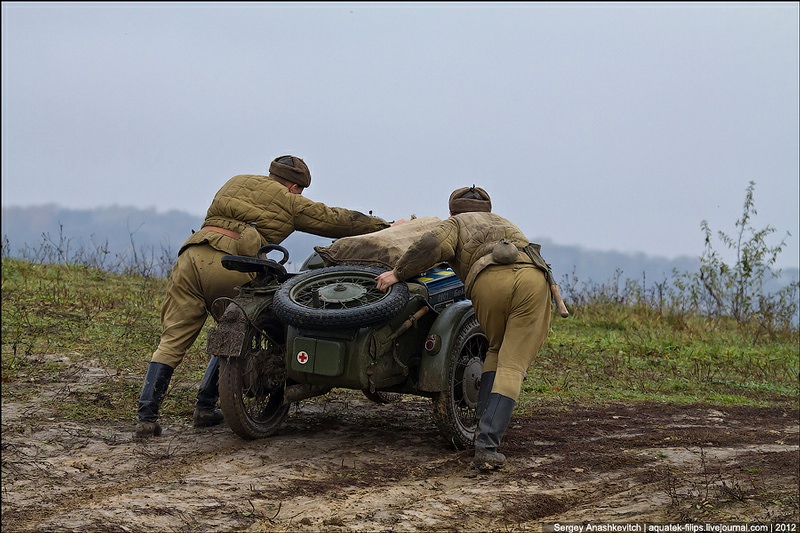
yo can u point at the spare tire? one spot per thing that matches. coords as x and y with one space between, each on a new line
338 296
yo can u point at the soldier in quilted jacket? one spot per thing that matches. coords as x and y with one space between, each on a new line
248 212
510 294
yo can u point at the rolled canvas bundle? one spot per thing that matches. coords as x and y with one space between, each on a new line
382 248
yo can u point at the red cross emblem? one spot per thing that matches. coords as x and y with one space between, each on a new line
302 358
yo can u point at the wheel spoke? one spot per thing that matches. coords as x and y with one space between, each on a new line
338 296
456 407
263 377
251 393
358 291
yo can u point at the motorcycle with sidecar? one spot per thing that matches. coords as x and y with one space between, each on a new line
287 337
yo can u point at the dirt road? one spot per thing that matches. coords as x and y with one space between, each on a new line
343 463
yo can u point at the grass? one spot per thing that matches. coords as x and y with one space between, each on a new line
632 354
605 352
52 313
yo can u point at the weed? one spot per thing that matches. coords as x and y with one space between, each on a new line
737 290
624 340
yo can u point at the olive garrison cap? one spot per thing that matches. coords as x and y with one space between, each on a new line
291 168
468 199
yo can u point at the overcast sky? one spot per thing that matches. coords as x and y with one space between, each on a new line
613 126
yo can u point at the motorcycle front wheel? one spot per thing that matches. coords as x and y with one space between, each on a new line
252 385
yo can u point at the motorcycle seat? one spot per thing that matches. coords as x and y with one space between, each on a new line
243 263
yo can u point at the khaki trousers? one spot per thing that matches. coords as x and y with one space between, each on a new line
513 306
198 278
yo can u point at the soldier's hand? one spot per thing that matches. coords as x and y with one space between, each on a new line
386 280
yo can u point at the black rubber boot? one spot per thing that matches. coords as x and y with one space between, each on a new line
487 381
206 412
491 428
156 382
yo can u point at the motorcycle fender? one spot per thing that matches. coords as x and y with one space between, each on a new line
438 345
226 338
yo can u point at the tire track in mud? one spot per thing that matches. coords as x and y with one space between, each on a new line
344 464
87 476
167 463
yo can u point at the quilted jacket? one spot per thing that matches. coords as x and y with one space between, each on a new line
250 201
465 242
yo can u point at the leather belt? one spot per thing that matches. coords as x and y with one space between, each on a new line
223 231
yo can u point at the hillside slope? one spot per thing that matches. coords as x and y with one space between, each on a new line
126 232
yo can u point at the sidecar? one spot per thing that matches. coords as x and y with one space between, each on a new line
289 337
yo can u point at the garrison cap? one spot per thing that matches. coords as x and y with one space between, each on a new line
291 168
468 199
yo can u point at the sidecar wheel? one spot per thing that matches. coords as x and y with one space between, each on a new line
252 385
454 409
338 296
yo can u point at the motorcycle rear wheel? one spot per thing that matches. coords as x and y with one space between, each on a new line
252 385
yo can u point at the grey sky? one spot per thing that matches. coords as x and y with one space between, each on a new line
610 126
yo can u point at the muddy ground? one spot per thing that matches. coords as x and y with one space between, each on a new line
343 463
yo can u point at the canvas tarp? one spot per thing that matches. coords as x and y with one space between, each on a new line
382 248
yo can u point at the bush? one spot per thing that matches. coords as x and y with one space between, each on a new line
738 290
